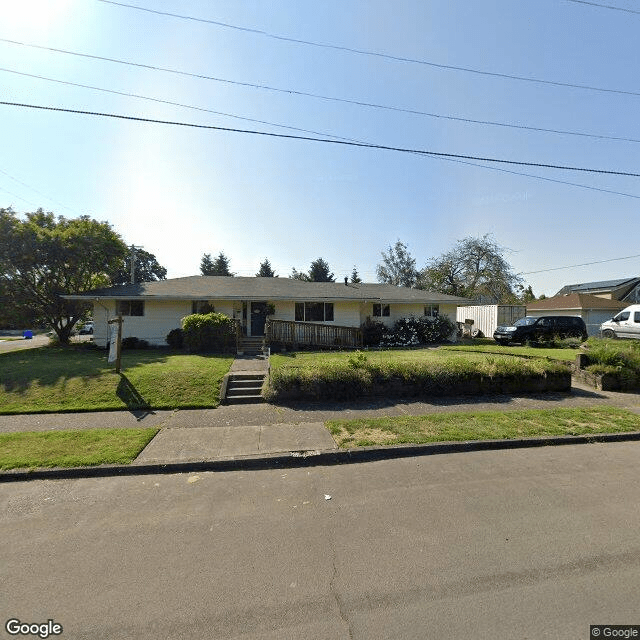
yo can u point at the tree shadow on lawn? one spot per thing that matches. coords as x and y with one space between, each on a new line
135 403
19 370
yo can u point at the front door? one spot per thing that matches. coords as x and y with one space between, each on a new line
258 318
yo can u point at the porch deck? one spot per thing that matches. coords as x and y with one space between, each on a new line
311 334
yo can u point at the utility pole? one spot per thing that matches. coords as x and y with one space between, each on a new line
133 262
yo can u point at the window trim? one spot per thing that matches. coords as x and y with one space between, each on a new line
433 310
384 310
121 310
303 309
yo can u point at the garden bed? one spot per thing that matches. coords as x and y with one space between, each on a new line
356 377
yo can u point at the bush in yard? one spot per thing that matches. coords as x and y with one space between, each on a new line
412 331
209 332
372 332
132 342
175 339
431 330
403 334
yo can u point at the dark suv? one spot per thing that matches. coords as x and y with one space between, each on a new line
541 329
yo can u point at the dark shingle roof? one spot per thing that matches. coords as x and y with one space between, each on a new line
603 285
241 288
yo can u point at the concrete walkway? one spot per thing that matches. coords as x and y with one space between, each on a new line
230 432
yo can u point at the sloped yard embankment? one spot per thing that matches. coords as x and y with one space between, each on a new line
412 374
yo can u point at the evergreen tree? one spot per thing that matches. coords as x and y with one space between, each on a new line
217 267
355 277
265 270
206 265
320 272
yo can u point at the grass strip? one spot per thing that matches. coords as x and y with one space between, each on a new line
567 355
489 425
79 448
76 378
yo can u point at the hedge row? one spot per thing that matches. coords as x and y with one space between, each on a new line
398 379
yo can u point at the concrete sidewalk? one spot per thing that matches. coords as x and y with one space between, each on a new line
264 431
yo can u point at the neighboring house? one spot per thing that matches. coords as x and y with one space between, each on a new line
594 310
151 309
625 289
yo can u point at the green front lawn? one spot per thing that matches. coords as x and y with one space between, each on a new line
568 355
72 448
490 425
77 378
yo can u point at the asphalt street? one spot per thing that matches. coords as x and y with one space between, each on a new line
528 543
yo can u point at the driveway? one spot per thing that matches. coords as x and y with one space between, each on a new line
9 343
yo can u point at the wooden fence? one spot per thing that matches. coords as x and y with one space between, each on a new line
312 334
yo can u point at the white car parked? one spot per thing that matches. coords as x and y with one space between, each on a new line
625 325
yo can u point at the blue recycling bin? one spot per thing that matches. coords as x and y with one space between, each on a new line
27 335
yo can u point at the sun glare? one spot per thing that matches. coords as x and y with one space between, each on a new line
33 17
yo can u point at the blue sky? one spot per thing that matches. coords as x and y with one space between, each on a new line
182 192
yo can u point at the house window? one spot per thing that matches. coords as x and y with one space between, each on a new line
130 308
314 312
431 310
201 306
380 310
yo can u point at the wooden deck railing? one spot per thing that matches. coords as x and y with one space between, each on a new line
312 334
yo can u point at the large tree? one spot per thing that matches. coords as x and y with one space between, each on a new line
216 267
146 268
43 257
355 276
398 267
319 271
474 268
266 271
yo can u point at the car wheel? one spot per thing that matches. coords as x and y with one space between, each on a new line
608 333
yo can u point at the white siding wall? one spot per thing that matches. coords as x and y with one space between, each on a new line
161 316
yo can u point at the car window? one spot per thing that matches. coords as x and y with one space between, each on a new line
621 317
545 322
564 322
636 316
525 322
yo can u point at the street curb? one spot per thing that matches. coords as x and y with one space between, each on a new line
294 459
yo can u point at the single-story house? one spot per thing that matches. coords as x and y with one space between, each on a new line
594 310
624 289
151 309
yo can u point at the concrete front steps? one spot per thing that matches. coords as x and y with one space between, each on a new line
251 346
244 388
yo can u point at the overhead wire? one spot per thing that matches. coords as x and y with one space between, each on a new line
605 6
323 140
584 264
361 103
376 54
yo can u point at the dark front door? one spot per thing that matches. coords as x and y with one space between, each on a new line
258 318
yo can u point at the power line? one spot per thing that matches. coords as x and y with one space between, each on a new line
375 54
360 103
605 6
584 264
323 140
169 102
24 184
472 164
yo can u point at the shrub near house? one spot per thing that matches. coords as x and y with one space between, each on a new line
209 332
